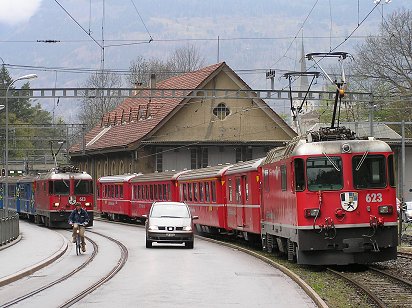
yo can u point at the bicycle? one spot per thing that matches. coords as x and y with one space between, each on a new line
78 239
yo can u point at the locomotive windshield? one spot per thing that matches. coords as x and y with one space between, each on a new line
324 173
82 187
369 171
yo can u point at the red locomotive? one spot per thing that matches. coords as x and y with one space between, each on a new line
57 191
330 202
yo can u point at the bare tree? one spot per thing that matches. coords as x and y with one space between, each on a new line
387 58
384 66
93 108
186 59
141 69
183 59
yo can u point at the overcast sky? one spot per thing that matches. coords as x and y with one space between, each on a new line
254 35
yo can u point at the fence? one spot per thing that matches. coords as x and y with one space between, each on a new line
9 226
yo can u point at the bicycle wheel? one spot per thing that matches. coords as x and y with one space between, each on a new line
78 247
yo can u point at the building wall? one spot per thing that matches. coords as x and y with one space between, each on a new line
197 120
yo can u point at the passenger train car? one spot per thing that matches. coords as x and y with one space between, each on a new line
49 198
325 198
114 196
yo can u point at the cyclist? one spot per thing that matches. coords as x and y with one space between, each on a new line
80 218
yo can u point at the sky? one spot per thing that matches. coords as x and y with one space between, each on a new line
250 36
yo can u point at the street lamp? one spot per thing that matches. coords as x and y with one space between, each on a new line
6 193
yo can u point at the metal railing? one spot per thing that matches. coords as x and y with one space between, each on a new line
9 226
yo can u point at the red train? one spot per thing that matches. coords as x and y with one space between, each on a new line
50 197
319 201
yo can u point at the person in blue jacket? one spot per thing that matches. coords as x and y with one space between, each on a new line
79 219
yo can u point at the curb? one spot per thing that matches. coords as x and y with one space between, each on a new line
15 241
299 281
31 269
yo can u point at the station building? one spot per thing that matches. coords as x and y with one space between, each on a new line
148 134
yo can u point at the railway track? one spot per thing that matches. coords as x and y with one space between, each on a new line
57 281
383 288
118 266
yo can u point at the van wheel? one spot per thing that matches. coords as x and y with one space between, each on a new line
148 244
189 245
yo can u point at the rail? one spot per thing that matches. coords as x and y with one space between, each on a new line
9 226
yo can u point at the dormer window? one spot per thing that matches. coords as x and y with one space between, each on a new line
221 111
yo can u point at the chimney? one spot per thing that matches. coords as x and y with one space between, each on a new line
138 86
152 81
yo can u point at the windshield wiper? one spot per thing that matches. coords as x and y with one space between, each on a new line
331 161
361 161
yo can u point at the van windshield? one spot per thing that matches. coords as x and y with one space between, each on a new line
174 211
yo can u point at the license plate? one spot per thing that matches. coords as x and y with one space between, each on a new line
170 234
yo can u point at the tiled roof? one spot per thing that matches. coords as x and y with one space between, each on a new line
124 125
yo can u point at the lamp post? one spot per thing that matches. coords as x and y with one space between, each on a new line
6 162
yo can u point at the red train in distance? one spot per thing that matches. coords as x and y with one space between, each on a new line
318 201
243 198
203 190
148 188
114 194
56 192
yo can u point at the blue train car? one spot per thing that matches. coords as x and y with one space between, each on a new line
14 200
25 196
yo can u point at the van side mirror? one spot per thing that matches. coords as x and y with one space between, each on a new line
195 217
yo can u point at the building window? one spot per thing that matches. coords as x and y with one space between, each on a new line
221 111
121 167
193 159
238 155
205 157
159 160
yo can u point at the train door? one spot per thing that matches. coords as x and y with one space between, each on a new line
240 189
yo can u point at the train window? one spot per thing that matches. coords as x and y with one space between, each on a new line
184 192
151 192
391 171
167 192
283 177
195 192
189 191
266 180
324 173
238 191
201 192
213 191
246 188
207 192
121 191
83 187
59 187
156 195
229 188
160 191
369 171
299 174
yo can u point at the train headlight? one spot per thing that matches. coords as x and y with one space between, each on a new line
385 209
56 204
87 204
312 212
